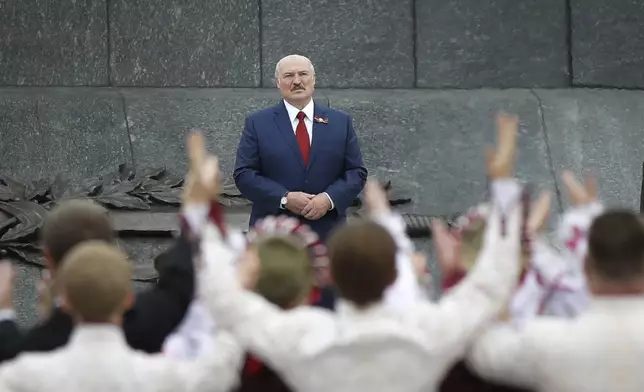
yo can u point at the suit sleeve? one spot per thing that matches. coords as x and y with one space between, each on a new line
157 312
247 173
11 339
346 188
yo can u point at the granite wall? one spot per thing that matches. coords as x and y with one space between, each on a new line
87 85
353 43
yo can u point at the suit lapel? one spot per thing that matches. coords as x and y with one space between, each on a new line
320 132
286 129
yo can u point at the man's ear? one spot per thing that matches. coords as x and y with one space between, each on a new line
49 261
64 304
129 300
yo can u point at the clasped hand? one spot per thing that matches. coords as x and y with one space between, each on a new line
311 207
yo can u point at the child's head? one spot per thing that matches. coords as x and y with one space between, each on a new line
472 231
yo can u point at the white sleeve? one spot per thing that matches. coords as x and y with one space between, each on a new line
505 353
193 336
485 291
406 289
268 331
573 231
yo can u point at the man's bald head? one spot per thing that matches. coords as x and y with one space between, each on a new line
290 60
295 77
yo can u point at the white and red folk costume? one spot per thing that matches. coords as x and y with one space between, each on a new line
554 283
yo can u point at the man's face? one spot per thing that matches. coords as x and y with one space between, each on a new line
296 80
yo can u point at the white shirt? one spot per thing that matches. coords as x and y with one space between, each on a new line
308 119
601 350
377 348
98 359
195 335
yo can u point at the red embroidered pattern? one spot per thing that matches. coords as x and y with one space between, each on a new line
577 235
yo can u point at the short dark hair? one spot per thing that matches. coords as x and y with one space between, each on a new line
72 222
363 261
616 246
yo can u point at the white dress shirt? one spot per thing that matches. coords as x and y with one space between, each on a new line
601 350
98 359
550 287
195 335
555 284
308 121
377 348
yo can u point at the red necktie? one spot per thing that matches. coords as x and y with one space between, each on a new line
302 136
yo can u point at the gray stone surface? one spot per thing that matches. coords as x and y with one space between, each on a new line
159 121
431 143
185 43
351 43
24 294
44 42
598 131
608 43
78 132
75 131
491 43
142 252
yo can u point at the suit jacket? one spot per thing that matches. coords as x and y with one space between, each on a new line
155 314
601 350
269 164
98 359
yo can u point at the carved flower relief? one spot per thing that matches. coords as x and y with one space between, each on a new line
23 207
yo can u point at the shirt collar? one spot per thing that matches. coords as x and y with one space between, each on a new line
347 309
293 111
633 304
97 333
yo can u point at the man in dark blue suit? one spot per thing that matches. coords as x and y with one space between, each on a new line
299 158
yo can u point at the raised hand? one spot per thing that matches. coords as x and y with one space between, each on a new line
248 268
204 179
375 198
539 213
579 194
448 249
500 160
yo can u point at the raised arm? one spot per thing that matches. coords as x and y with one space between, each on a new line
247 174
575 222
264 329
406 289
485 291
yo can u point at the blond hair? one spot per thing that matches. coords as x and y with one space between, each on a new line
286 273
95 279
472 242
